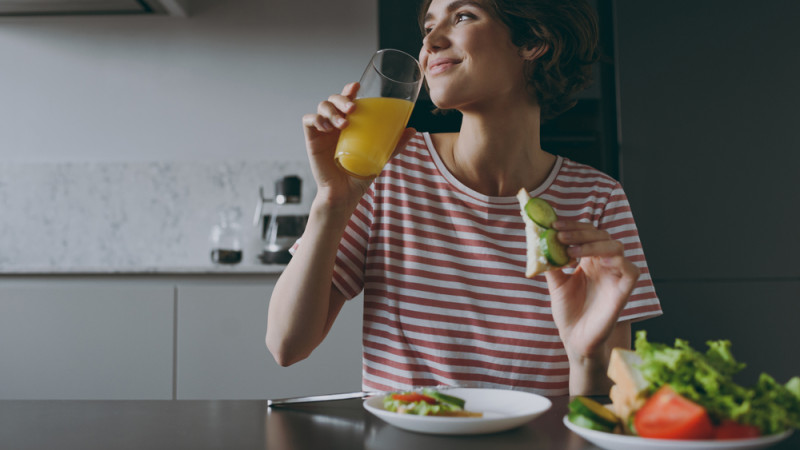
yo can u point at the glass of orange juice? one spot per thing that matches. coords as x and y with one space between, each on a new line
389 87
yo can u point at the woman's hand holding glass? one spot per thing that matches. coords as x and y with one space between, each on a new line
322 131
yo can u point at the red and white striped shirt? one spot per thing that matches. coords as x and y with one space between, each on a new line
442 267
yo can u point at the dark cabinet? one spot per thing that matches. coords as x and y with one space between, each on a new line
708 111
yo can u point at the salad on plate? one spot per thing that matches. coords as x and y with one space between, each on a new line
676 392
427 402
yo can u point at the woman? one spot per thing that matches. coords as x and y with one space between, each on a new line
436 241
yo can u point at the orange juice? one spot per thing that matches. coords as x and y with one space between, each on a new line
376 124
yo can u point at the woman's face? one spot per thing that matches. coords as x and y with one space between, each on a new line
468 57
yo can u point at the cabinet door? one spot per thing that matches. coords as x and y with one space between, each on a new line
222 353
85 340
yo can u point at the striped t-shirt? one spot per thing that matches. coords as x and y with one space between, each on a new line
442 267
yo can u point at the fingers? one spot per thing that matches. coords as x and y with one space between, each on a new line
608 247
585 240
350 90
332 113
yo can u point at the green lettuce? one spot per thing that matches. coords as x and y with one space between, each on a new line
444 403
707 379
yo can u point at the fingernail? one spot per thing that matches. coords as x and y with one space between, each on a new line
340 121
574 252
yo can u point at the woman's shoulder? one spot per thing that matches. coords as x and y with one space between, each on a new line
574 169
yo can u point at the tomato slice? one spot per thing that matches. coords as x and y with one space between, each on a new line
412 397
668 415
730 429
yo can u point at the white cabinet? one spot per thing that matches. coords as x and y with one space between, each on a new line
221 350
159 337
62 339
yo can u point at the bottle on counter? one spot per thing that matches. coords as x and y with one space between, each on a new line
226 238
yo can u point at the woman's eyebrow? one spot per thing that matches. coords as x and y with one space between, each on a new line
455 5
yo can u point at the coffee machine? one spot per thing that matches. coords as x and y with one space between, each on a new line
282 219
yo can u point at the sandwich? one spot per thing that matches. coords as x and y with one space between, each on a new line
544 252
630 390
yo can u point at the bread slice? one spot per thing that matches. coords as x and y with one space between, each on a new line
630 388
537 262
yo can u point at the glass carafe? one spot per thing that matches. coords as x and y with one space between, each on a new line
226 238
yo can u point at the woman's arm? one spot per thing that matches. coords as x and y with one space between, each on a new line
304 304
589 376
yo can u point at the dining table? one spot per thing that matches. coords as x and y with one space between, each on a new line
252 424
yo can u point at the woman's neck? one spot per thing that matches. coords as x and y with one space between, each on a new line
497 154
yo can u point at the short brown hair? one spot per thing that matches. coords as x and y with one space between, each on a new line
570 31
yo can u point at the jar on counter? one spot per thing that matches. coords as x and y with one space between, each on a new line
226 238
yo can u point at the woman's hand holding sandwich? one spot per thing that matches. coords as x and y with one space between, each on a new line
586 304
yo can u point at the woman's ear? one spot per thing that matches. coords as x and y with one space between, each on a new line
532 52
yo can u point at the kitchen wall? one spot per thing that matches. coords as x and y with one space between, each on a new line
229 83
124 135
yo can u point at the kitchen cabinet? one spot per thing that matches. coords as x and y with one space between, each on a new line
222 354
160 336
65 339
708 114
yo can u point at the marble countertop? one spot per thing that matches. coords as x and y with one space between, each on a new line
132 217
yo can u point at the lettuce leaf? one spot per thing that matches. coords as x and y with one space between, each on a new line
419 408
707 379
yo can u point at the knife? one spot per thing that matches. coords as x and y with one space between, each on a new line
320 398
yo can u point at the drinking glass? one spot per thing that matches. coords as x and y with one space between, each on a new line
389 87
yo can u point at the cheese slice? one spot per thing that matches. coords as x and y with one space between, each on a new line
537 262
628 394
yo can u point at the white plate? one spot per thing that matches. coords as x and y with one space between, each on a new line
502 410
622 442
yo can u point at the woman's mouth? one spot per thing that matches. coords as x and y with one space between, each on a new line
441 65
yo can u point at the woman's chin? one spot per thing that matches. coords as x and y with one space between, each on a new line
442 103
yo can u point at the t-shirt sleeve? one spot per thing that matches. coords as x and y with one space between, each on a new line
617 220
348 271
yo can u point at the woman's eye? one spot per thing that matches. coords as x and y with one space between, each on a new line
460 17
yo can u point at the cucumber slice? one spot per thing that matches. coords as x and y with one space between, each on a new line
586 422
540 212
593 410
444 398
553 250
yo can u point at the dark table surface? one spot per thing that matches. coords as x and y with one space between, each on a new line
250 424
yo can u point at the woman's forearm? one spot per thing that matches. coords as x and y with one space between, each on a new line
589 375
302 307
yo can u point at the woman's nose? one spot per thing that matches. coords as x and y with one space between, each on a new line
436 39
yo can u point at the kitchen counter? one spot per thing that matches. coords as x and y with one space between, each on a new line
209 269
250 424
